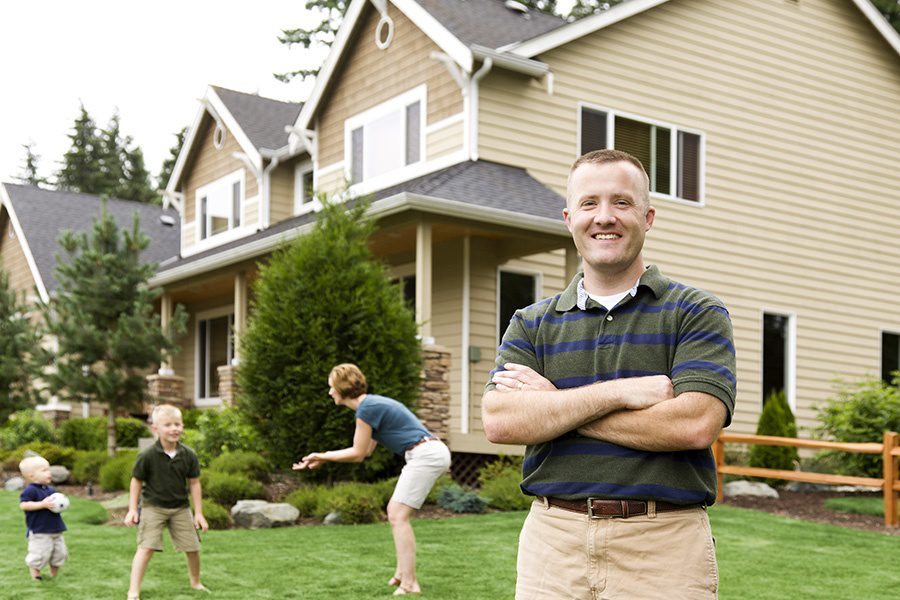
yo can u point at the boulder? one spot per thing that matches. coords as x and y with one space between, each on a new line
14 484
59 474
749 488
259 514
332 518
802 486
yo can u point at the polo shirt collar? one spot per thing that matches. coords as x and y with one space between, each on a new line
159 448
652 279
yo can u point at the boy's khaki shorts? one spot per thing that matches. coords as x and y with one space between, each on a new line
46 548
180 522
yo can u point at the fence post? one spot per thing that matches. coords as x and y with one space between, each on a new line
890 477
719 456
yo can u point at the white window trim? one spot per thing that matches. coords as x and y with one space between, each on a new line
612 113
790 368
538 289
227 180
205 316
300 207
420 94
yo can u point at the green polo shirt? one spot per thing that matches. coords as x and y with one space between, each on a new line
165 479
665 328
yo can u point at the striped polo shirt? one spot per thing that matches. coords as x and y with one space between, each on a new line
665 328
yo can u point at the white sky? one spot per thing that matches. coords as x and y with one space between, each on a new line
152 60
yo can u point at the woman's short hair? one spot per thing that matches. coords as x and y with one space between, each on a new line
348 380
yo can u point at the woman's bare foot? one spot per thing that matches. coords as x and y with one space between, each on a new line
394 581
402 590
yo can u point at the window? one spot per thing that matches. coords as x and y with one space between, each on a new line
304 196
777 356
516 290
387 137
671 156
214 350
219 205
890 356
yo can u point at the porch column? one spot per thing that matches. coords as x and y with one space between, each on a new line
573 262
240 314
165 316
423 281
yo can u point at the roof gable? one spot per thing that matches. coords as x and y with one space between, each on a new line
489 23
262 119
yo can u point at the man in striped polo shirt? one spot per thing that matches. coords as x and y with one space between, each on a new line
618 386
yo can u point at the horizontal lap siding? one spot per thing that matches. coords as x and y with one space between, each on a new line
282 193
446 314
331 182
444 141
369 76
13 261
801 186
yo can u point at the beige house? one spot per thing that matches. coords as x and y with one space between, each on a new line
765 126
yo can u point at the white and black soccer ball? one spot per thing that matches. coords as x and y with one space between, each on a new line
60 502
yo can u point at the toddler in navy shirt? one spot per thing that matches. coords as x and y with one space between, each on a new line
44 527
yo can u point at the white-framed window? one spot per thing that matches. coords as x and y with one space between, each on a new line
890 355
516 288
387 137
215 348
219 205
304 190
778 365
672 156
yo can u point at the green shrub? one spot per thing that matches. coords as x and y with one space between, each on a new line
453 497
129 431
55 455
384 489
87 465
221 431
356 502
115 475
500 484
307 500
323 300
778 420
442 482
26 427
216 515
861 412
358 508
250 464
90 433
189 417
228 488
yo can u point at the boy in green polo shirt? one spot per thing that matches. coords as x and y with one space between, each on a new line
163 476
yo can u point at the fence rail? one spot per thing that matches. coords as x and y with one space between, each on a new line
889 449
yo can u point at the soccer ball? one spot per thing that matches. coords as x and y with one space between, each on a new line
60 502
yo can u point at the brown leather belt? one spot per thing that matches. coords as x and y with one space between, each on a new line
427 438
611 509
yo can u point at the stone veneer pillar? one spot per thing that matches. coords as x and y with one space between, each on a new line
227 384
166 389
433 408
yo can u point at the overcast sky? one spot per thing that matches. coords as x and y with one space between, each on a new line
152 60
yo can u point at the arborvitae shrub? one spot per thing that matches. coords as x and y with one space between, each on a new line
776 420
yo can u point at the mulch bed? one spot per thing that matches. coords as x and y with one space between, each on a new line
810 506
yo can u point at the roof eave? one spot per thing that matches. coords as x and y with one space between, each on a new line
6 202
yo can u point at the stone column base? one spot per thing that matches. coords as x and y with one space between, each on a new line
228 387
165 389
433 408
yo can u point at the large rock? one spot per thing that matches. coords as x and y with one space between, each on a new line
259 514
749 488
59 474
14 484
332 518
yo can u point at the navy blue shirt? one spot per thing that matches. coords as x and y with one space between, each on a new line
44 520
393 425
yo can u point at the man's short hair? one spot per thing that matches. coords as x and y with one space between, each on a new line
30 464
606 156
348 380
161 410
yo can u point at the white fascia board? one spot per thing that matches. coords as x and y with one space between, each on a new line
881 24
580 28
382 208
512 62
23 244
441 36
231 123
172 184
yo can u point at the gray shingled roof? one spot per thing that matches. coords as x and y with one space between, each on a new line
262 119
480 183
488 22
44 214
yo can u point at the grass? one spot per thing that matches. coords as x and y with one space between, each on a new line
761 556
860 506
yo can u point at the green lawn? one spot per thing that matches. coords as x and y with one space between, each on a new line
761 556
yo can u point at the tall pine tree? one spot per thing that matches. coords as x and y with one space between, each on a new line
102 317
168 165
81 164
18 343
29 174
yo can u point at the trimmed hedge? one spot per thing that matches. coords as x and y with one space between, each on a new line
250 464
90 433
87 465
26 427
115 475
216 515
55 455
228 488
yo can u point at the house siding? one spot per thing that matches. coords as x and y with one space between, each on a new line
369 76
792 99
444 141
13 261
281 190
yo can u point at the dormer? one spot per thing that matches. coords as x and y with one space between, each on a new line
236 172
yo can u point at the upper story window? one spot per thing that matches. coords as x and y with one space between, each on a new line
672 156
304 194
219 205
386 137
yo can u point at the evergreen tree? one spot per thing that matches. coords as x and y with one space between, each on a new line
136 185
169 164
321 301
778 420
18 343
30 167
103 320
81 164
891 11
585 8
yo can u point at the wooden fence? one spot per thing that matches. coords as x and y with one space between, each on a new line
889 450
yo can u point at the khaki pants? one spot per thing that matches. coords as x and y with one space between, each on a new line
564 555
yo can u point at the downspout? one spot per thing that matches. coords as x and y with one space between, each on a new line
473 106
